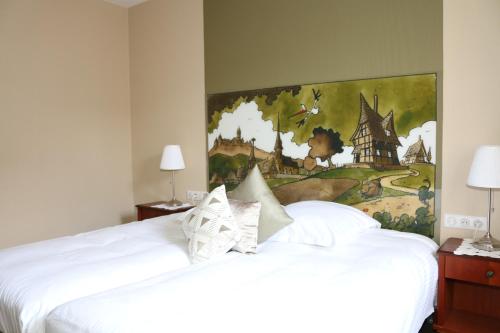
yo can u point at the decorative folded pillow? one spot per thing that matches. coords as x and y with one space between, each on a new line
210 227
272 216
246 215
323 223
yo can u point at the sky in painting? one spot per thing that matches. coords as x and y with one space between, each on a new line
411 98
248 118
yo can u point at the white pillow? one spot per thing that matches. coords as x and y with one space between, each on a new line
323 223
210 227
246 215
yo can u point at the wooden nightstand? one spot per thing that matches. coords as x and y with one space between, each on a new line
146 211
468 292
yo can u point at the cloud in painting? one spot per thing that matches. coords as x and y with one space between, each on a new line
248 117
345 157
428 133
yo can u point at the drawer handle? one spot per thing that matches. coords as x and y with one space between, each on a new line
490 274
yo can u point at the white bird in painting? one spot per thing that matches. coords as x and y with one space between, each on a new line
303 109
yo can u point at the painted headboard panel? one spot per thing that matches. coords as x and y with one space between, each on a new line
367 143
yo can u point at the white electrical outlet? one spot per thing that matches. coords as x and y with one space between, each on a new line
465 222
195 197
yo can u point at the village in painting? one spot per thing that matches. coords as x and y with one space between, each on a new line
369 144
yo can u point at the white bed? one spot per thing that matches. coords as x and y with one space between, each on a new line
382 281
35 278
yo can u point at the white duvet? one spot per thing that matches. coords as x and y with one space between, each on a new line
35 278
383 281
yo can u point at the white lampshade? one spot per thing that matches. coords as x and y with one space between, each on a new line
171 158
485 168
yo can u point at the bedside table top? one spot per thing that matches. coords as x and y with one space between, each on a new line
450 245
150 205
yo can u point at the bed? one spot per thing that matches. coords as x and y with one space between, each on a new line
36 278
380 281
330 268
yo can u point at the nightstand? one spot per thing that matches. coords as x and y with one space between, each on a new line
468 292
147 211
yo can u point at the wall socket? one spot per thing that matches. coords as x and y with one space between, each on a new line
196 197
465 222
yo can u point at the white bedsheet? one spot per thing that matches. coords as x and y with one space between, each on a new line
385 282
35 278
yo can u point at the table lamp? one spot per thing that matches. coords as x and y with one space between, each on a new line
485 173
171 160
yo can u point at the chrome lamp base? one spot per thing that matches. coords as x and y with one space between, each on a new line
174 202
487 243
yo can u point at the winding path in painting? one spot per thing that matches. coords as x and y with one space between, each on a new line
397 205
387 182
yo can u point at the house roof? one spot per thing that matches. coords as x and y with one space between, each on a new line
377 124
415 148
388 125
278 144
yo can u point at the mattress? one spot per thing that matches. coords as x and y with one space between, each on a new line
36 278
383 281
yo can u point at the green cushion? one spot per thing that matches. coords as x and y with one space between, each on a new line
272 215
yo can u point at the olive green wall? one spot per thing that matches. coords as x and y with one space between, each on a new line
261 43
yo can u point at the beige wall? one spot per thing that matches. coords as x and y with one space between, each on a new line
471 107
167 94
65 155
260 43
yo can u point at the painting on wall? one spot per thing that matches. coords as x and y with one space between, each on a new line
370 144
